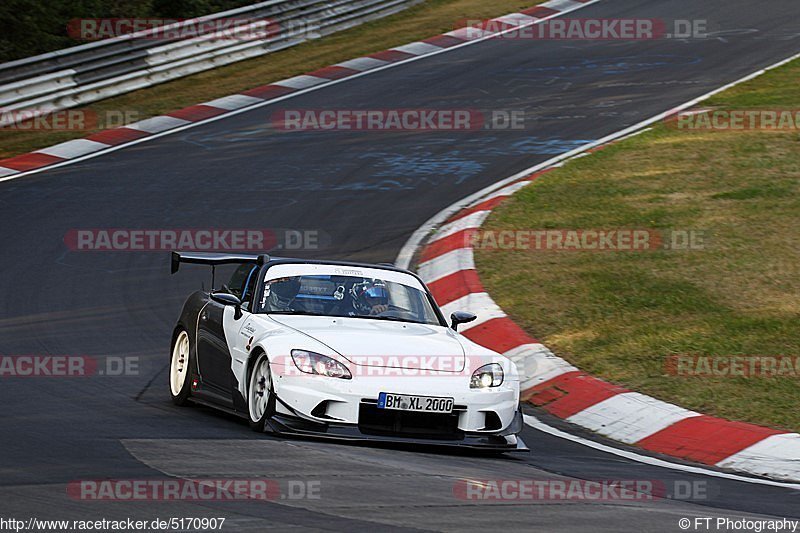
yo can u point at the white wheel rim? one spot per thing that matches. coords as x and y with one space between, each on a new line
179 366
260 389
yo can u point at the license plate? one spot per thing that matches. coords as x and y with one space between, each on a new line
425 404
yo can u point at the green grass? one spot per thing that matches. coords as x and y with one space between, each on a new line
419 22
619 315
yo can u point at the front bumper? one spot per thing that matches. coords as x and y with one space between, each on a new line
503 441
339 401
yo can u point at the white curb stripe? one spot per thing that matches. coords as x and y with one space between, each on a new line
537 364
418 49
4 171
515 19
446 264
469 34
234 101
304 81
74 148
471 221
506 191
362 64
562 5
630 417
158 124
777 456
477 303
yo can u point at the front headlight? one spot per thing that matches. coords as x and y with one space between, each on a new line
487 376
322 365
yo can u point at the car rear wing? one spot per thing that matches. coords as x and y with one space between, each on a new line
214 259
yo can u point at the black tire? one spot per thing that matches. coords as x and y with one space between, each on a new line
180 391
259 383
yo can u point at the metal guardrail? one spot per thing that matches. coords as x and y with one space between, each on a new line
94 71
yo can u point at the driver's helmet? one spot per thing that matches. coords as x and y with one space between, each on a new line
369 294
282 292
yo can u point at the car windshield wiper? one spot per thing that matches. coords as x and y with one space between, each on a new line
292 312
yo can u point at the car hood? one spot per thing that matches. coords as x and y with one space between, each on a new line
383 343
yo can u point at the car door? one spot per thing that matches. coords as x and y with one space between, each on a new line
218 334
214 358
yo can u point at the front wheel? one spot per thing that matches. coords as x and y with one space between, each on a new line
260 396
180 368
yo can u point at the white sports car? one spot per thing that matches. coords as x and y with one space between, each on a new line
340 350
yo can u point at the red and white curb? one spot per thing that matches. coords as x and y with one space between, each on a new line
136 132
446 264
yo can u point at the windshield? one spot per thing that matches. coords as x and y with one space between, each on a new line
347 296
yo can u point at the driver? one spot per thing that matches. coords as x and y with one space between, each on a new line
371 298
281 293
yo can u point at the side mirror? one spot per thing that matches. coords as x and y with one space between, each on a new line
226 298
461 317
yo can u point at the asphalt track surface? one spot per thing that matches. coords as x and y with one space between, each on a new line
367 192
